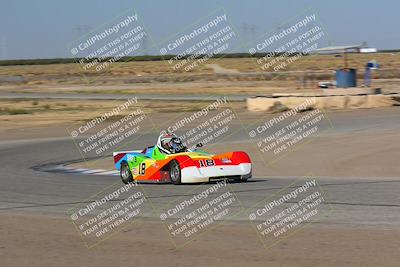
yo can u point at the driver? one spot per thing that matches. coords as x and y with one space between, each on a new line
170 144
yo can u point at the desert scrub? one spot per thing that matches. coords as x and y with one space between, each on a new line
14 111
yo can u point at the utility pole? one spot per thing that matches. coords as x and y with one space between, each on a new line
145 45
253 32
3 45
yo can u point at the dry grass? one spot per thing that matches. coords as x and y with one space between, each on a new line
156 77
34 113
133 68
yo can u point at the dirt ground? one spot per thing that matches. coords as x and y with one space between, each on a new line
325 62
53 241
17 116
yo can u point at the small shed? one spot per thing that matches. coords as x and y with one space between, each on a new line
345 77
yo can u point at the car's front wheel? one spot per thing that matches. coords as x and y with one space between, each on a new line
175 172
125 173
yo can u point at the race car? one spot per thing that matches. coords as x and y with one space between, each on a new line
170 161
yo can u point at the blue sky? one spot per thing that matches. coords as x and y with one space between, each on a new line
45 28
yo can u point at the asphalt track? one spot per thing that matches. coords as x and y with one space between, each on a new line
370 202
174 97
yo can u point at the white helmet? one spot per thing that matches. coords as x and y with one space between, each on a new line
170 144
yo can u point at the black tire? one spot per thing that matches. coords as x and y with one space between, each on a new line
244 178
125 173
240 180
175 172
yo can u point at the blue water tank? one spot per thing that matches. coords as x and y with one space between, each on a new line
346 78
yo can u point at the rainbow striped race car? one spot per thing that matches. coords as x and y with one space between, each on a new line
170 161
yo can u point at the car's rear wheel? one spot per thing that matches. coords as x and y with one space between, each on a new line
175 172
125 173
243 178
239 180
